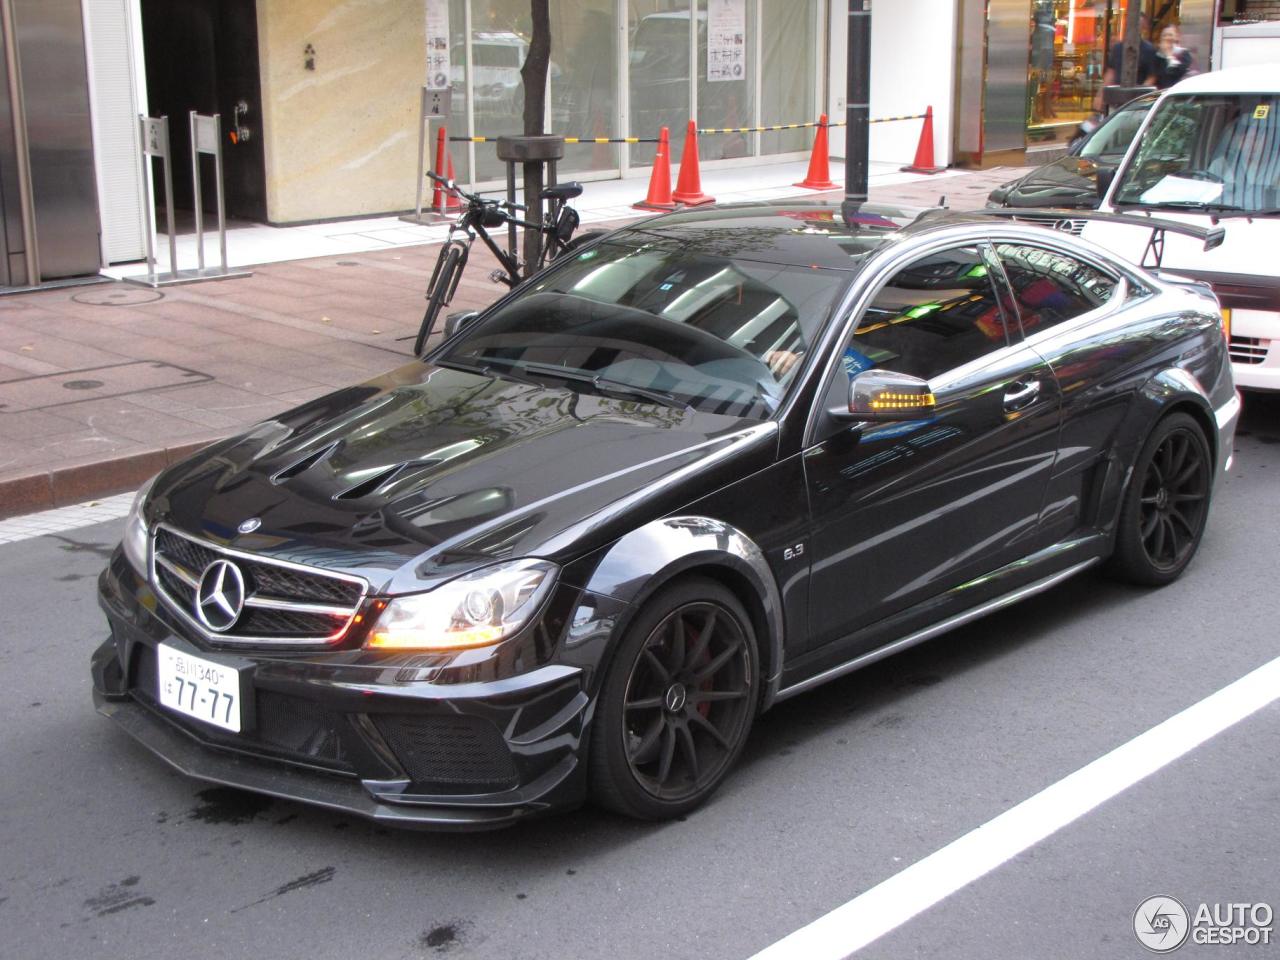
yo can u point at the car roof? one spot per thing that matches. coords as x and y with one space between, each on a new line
1260 78
798 233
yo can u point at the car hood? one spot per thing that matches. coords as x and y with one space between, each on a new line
1068 182
427 472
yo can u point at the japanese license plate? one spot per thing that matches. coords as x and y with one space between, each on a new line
198 688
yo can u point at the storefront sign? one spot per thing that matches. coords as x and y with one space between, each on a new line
727 40
438 64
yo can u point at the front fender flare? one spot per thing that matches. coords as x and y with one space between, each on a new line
637 565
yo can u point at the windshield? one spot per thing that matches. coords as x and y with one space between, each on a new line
1114 137
658 322
1217 152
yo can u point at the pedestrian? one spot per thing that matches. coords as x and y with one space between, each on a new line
1147 63
1173 61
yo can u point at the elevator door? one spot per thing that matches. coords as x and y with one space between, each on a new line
202 55
49 41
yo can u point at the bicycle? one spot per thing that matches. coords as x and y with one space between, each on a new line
478 217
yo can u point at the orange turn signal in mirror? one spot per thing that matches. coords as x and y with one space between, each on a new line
1226 322
888 400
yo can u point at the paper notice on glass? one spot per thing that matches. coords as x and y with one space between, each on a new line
439 72
726 40
1174 189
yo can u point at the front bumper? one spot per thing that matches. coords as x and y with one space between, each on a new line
1255 349
380 738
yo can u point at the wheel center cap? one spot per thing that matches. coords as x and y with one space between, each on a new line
1162 499
675 697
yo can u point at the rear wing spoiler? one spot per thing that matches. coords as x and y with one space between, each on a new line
1209 236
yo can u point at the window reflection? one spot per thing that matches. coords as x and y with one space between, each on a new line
701 328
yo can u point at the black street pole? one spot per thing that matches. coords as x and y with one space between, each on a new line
857 108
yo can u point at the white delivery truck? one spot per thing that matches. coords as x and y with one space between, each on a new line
1208 154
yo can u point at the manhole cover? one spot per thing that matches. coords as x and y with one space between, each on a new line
118 295
82 384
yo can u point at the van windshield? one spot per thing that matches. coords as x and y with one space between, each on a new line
1214 152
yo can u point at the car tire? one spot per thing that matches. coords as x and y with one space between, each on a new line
1166 504
677 702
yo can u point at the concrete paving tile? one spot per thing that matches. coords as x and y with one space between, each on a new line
25 362
11 373
66 354
214 397
36 425
255 379
183 307
117 417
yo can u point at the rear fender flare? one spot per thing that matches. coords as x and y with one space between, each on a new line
1171 388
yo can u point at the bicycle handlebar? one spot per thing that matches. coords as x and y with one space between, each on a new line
474 198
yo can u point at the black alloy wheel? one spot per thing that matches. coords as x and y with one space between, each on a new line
1167 503
677 704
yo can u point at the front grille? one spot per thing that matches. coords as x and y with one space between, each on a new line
286 726
285 604
449 754
1249 349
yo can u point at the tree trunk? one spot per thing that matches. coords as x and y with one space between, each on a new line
534 71
534 77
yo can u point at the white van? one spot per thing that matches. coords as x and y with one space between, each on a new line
1209 153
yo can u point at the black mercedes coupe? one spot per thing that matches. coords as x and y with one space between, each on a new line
697 467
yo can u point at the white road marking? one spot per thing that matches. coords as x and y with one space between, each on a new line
888 905
64 518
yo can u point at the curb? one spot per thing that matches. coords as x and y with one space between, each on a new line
61 487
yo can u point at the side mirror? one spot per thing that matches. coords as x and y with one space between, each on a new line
1103 179
882 395
456 321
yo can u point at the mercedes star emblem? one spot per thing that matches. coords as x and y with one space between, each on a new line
220 597
250 525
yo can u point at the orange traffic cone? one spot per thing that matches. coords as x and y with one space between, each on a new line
689 184
924 150
659 195
819 175
443 201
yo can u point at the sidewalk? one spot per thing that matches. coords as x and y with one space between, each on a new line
102 386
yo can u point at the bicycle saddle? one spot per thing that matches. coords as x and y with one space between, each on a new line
564 192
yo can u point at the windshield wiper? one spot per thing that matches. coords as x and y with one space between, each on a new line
1184 205
1261 212
600 383
485 369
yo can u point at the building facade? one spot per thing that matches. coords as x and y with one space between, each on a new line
320 99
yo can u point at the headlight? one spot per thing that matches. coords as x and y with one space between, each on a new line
136 537
476 610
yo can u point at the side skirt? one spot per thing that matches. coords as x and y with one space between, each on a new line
950 623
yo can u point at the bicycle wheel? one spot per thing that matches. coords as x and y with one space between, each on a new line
444 281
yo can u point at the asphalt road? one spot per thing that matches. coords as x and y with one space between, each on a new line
106 853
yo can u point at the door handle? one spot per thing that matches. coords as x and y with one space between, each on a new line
1021 393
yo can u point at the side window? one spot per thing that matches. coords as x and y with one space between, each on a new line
936 314
1051 287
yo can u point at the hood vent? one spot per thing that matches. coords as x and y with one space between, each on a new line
381 480
306 463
